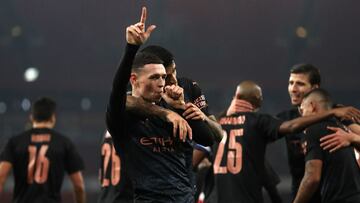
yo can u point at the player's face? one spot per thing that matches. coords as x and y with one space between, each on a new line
299 85
150 81
171 75
306 108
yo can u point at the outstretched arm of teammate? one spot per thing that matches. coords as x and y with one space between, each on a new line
136 35
5 168
141 108
310 181
339 139
78 185
300 123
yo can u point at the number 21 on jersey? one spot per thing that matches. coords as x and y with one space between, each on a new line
233 156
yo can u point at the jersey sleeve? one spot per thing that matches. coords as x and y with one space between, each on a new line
199 98
312 142
8 154
73 160
269 126
200 130
116 107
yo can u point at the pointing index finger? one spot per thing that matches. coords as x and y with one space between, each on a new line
143 15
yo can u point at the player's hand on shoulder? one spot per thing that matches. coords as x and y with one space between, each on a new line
193 112
338 139
181 127
232 108
137 34
347 113
174 96
236 106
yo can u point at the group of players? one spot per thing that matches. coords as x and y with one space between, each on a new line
159 133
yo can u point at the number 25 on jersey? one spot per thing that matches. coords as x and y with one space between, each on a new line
233 156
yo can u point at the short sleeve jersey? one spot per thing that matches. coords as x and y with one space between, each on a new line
340 179
40 157
194 94
239 162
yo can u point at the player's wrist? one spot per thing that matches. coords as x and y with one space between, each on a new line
179 105
353 137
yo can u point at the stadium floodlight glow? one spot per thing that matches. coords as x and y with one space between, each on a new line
16 31
301 32
26 104
3 107
85 104
31 74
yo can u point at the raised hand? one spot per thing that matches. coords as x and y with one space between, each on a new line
136 34
174 96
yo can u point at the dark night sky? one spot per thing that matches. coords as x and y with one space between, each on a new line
77 44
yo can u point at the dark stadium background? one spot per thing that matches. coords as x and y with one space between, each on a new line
76 45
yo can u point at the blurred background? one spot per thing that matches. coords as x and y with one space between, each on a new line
69 50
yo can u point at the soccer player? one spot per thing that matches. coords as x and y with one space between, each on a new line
156 157
39 158
198 106
114 179
199 109
303 78
239 162
115 182
271 178
336 174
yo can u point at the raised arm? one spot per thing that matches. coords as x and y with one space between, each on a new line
78 185
116 106
135 36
